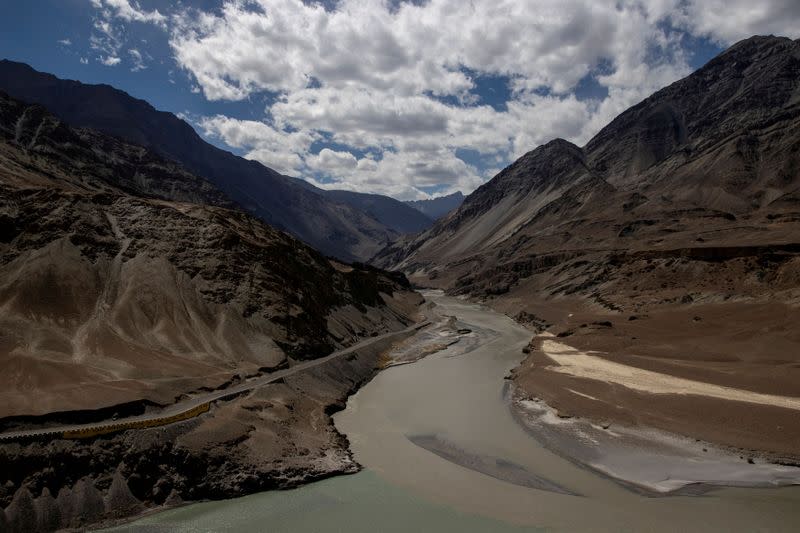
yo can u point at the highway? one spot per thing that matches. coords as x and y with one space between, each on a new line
197 404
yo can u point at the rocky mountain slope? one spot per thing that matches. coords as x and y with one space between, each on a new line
436 208
116 287
335 228
704 171
392 213
669 243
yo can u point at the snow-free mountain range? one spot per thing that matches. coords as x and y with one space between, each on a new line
140 263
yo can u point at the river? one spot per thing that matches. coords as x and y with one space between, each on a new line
442 452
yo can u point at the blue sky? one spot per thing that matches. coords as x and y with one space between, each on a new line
27 36
405 99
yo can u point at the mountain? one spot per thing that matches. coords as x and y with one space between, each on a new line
337 229
667 246
436 208
124 277
391 213
706 168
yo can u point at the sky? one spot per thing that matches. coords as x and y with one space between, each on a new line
411 99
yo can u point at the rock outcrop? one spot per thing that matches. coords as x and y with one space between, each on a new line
86 503
21 514
48 514
119 500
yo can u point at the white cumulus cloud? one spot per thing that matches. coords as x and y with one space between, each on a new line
395 86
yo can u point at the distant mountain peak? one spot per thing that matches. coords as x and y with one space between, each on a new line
436 208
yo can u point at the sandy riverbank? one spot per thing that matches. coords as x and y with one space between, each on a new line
726 373
645 459
661 432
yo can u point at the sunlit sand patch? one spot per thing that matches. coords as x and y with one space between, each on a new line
580 364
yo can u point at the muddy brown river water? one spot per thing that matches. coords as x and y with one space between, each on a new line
442 452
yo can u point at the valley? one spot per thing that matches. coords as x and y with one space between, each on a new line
263 300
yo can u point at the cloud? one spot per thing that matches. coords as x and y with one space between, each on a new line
137 59
109 33
274 147
110 61
400 81
728 21
332 162
410 50
362 117
130 11
106 41
380 176
65 42
385 96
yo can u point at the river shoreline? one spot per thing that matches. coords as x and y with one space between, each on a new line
443 431
346 465
278 436
575 401
646 460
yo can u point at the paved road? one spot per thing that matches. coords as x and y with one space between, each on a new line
184 406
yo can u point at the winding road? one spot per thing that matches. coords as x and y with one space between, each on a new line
198 404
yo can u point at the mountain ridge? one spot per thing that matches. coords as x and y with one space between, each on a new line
338 229
392 213
649 163
436 208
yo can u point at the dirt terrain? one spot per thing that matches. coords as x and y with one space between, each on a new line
722 353
126 278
